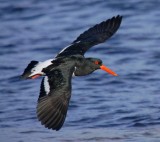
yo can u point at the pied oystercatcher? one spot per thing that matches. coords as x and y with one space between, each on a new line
55 91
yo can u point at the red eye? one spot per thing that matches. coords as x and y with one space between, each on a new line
96 62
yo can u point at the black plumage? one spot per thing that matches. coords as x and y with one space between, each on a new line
93 36
52 106
55 92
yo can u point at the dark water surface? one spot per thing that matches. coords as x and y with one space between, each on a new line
103 108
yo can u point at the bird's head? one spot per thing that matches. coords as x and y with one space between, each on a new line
92 64
35 69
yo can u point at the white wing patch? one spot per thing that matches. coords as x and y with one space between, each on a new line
64 48
38 68
67 47
74 71
78 41
46 85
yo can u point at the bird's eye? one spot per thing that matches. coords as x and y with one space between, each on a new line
96 62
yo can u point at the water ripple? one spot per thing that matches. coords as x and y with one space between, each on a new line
102 107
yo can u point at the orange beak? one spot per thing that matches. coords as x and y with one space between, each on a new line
108 70
35 76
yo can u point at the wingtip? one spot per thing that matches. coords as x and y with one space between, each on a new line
120 19
119 16
51 111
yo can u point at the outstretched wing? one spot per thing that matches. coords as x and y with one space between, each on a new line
54 99
93 36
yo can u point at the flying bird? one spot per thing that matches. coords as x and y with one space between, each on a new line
55 89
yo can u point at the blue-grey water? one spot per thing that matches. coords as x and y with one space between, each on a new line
103 108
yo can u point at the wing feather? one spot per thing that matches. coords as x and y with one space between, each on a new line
50 113
52 107
93 36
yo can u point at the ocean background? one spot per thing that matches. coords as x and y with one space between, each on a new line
103 108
